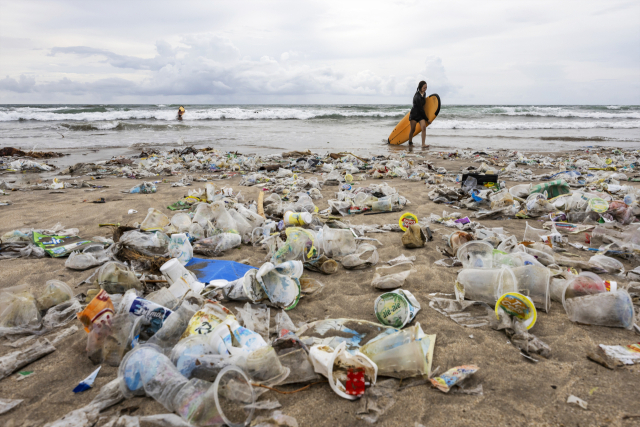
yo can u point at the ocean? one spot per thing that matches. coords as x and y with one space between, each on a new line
320 128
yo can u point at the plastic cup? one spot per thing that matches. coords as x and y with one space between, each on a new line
485 284
586 283
264 366
180 279
613 309
398 355
382 206
533 281
476 254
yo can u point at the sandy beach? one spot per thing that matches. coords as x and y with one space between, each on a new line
516 391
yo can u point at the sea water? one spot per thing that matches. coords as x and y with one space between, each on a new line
320 128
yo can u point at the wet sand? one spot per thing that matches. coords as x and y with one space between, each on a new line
516 391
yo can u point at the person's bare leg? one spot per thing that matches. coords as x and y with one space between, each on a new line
413 129
423 123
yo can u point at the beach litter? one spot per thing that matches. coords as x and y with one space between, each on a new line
154 303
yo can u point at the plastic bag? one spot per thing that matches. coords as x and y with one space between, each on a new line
91 256
117 278
155 220
19 313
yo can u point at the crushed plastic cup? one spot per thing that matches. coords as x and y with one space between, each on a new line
180 248
281 283
519 306
207 318
299 365
402 354
347 372
476 254
181 221
457 239
382 205
485 284
391 277
264 367
153 315
20 314
155 220
396 308
613 309
229 401
297 218
179 278
338 242
365 256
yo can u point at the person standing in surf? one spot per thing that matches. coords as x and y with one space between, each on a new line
417 114
180 112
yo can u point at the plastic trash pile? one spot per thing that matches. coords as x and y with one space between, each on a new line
156 304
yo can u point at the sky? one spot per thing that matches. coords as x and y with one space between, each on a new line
319 52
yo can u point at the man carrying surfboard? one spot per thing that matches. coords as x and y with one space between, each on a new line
417 114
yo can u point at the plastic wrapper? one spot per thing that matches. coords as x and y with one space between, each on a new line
61 314
117 278
8 404
366 255
391 277
99 310
452 377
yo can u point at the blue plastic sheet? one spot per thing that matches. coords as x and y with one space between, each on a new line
207 270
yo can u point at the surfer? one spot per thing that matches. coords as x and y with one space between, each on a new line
180 112
417 114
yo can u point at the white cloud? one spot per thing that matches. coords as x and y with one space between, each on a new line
320 51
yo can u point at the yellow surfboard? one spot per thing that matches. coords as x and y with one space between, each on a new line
400 133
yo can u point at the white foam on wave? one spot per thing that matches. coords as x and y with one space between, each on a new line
234 113
474 124
564 112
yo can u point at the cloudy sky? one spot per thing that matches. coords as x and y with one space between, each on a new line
469 51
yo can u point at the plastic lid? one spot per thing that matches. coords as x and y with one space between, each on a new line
407 220
519 306
598 205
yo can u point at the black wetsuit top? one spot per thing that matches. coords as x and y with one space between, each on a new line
417 111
